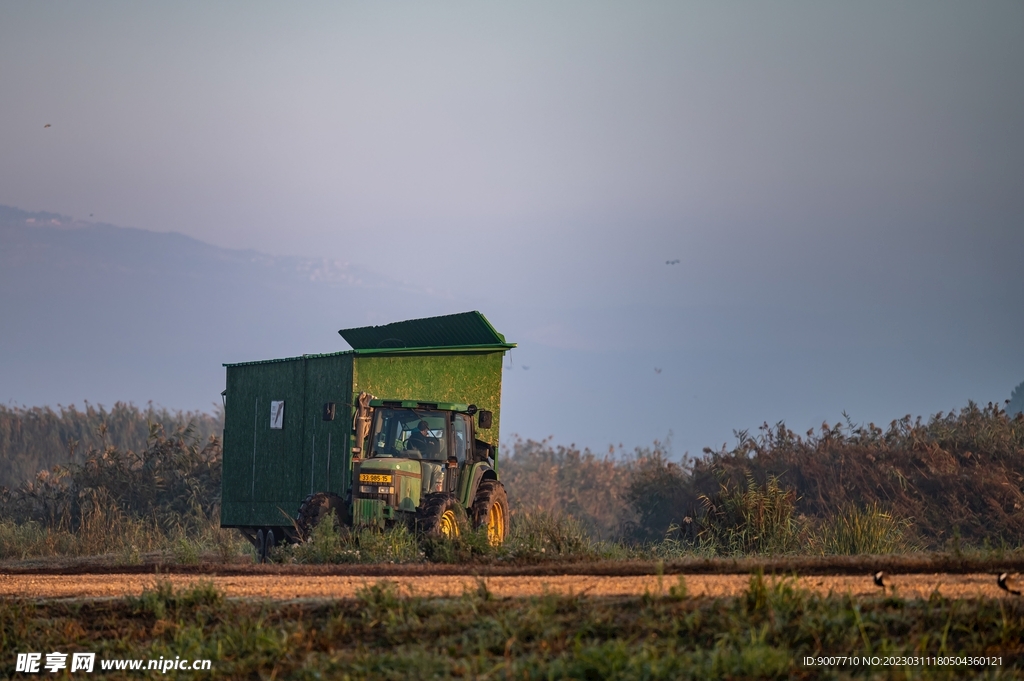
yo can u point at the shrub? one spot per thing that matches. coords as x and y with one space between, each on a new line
961 469
175 481
660 494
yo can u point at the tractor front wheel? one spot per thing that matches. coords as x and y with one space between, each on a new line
440 515
490 510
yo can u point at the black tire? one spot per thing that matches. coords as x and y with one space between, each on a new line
490 510
314 509
261 547
440 515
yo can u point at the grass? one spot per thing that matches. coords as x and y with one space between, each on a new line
126 540
857 530
331 543
390 634
534 537
759 519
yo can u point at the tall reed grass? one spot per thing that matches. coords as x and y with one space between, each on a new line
858 530
38 438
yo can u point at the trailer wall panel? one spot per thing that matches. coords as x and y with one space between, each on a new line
469 378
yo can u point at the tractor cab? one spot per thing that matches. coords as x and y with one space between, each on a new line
415 450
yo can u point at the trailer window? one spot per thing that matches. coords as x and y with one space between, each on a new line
397 432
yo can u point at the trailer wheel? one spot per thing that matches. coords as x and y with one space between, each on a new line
314 509
490 510
440 515
268 543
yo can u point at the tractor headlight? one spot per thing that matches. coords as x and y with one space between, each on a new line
373 489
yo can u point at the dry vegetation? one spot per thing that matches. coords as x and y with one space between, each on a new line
951 483
37 438
948 483
163 497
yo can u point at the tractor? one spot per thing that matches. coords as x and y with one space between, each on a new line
401 429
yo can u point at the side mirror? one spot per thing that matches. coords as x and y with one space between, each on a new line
484 418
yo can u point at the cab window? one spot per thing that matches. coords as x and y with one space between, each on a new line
460 433
415 433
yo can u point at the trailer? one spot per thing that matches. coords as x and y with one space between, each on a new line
402 428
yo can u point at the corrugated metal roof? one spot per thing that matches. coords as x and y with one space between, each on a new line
463 329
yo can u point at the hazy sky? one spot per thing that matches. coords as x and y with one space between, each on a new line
842 183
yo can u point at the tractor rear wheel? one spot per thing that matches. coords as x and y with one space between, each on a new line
314 509
440 515
490 510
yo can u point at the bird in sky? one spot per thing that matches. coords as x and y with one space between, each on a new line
879 578
1008 583
672 262
526 368
47 125
657 370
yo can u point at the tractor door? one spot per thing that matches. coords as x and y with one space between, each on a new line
462 437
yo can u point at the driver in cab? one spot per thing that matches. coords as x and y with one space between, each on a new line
423 441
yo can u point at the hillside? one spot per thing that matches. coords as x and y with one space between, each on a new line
103 313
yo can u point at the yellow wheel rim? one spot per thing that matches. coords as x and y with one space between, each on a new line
496 524
449 526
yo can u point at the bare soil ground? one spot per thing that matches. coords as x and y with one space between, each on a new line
915 563
302 587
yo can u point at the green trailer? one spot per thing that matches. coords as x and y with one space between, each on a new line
403 428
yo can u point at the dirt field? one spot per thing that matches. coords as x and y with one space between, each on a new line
290 587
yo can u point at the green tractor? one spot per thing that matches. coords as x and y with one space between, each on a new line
424 468
308 436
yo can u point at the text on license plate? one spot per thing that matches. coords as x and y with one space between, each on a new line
373 477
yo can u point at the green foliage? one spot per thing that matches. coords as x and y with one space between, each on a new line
862 530
759 519
546 535
331 543
163 600
470 546
386 633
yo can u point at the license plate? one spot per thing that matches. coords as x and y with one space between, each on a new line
372 477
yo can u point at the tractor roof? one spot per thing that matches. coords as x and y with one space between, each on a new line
466 330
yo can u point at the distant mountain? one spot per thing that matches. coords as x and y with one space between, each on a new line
91 311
